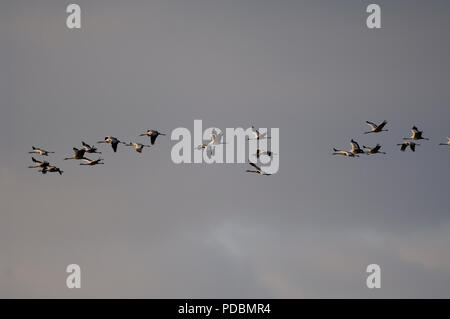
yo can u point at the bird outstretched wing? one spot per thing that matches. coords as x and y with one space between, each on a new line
382 124
85 144
255 166
153 138
114 145
376 148
355 145
372 124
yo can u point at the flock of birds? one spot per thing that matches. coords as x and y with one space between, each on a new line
377 128
216 139
79 153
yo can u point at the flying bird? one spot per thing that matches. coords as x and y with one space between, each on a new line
138 146
345 153
355 148
256 169
51 169
411 145
152 134
257 135
373 150
112 140
416 135
211 142
98 161
90 149
40 151
208 147
216 138
376 128
448 142
78 154
39 163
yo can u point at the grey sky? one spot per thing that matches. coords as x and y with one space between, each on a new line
141 226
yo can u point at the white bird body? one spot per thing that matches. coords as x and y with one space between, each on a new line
98 161
138 146
344 153
40 151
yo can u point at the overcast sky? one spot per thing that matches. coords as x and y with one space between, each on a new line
141 226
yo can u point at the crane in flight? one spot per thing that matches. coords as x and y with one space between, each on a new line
355 148
152 134
257 135
40 151
112 140
138 146
376 128
374 150
98 161
416 135
51 169
78 154
90 149
344 153
39 164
